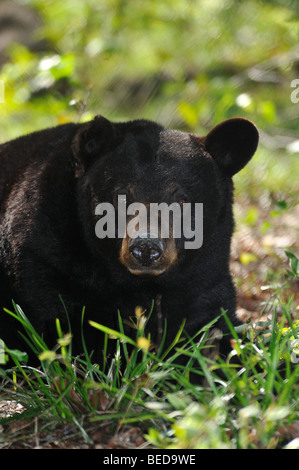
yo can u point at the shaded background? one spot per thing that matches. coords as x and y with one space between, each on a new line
187 64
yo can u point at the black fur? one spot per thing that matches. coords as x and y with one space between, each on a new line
50 183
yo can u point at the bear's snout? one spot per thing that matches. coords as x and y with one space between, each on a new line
146 249
147 255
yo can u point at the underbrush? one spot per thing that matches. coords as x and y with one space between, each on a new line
247 400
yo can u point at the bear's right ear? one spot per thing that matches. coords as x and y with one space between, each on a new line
92 140
232 144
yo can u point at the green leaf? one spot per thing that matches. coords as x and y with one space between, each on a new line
176 402
189 114
112 333
20 356
294 262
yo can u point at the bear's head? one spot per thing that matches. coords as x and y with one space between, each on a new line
150 198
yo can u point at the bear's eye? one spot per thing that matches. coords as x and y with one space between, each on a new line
180 196
182 202
118 197
91 146
122 195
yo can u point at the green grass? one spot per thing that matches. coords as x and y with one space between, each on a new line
248 400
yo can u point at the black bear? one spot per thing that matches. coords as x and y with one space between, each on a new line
81 209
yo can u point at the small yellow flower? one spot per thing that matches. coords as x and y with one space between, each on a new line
65 340
247 258
143 343
47 356
139 311
141 318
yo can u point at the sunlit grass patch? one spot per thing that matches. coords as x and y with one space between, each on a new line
247 400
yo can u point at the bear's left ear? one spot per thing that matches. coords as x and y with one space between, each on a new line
92 140
232 144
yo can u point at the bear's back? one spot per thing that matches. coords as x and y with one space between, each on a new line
16 155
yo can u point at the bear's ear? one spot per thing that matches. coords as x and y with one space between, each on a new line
92 140
232 144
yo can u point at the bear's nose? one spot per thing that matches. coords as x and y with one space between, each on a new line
146 249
